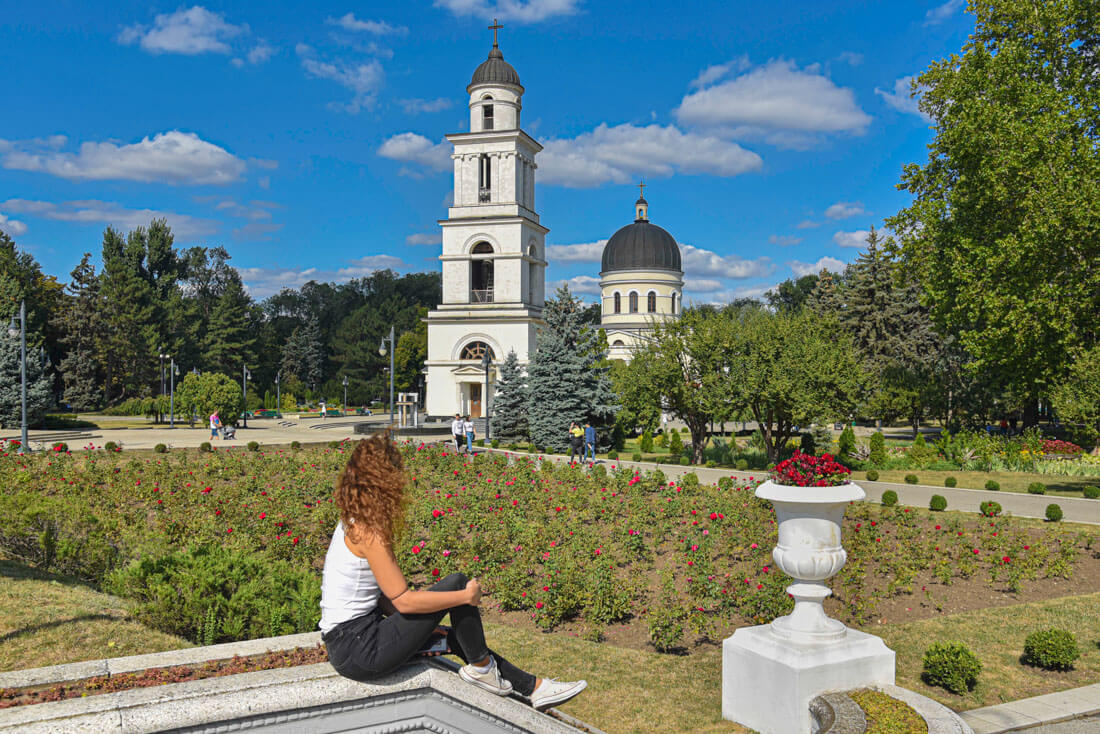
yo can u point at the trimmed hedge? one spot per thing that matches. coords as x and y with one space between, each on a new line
938 503
872 475
990 508
951 665
1054 513
889 498
1036 488
1052 649
950 482
1091 493
993 485
911 479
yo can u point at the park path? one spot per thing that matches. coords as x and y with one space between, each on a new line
1075 509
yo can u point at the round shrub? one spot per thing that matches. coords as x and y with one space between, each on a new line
205 447
295 445
613 455
253 446
513 447
1054 513
160 449
495 443
1053 649
1036 488
742 465
532 449
685 461
725 483
993 485
690 481
911 479
938 503
637 456
110 446
889 498
479 442
711 463
951 665
1091 493
950 482
990 508
872 475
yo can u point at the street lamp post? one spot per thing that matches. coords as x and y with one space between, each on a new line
345 394
24 447
278 395
486 363
382 351
172 372
245 374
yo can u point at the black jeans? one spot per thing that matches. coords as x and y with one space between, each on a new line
372 645
576 449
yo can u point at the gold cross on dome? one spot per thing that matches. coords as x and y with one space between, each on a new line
494 28
641 189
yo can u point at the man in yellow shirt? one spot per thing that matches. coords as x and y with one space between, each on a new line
576 442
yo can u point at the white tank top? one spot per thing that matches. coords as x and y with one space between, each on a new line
348 587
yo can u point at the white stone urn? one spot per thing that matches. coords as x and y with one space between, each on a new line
810 552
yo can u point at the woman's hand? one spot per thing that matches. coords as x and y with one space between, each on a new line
473 588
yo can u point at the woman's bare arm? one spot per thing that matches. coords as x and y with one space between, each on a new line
393 585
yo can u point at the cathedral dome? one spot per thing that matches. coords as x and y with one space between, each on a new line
496 71
641 246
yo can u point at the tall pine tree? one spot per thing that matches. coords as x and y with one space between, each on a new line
304 355
566 380
130 345
230 335
80 324
509 417
39 381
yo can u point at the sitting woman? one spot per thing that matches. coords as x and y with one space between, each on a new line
372 622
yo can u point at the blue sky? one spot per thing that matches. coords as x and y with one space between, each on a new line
307 138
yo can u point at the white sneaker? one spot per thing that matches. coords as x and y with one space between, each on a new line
489 680
552 692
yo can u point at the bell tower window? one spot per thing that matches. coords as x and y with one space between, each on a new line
481 274
484 179
673 303
651 302
618 303
487 114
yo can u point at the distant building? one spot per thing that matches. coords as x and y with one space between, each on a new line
641 283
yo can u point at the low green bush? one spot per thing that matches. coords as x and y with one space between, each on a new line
1091 493
110 446
205 447
211 594
938 503
1052 649
685 461
613 455
295 445
911 479
690 481
1054 513
889 498
872 475
951 665
637 456
255 446
742 465
160 449
725 483
532 450
993 485
950 482
1036 488
479 442
334 444
711 463
990 508
666 618
495 443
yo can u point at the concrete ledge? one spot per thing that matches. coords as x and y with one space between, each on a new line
940 719
1034 712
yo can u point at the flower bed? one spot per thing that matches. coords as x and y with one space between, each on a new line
633 557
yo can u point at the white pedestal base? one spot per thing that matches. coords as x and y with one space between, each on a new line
768 682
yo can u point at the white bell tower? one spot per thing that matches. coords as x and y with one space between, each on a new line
494 266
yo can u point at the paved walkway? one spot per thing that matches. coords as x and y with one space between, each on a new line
1076 509
1076 711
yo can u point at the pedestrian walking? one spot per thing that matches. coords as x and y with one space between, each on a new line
324 409
458 433
215 423
468 429
576 442
589 442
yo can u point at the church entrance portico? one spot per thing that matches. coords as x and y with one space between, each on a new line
470 388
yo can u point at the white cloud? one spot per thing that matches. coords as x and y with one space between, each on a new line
586 252
845 209
779 102
93 211
700 262
702 285
715 72
12 227
856 239
263 282
941 13
260 53
851 58
721 298
416 106
264 182
192 31
378 27
826 263
172 157
584 284
364 79
519 11
429 238
807 224
902 98
619 154
784 240
257 231
414 148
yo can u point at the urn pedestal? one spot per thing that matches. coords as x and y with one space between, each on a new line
770 673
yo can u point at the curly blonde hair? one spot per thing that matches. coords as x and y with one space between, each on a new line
370 490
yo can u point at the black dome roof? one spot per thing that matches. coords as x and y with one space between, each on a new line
495 70
641 246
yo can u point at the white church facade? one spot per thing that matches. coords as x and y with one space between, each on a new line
494 257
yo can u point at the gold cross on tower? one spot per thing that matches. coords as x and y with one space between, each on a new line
494 28
641 189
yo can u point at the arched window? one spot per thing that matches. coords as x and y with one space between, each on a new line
487 114
618 303
532 274
484 179
633 303
618 343
651 302
673 303
476 350
481 274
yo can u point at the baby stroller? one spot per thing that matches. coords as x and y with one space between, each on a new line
229 433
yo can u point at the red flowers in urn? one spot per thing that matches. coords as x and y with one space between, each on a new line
807 470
